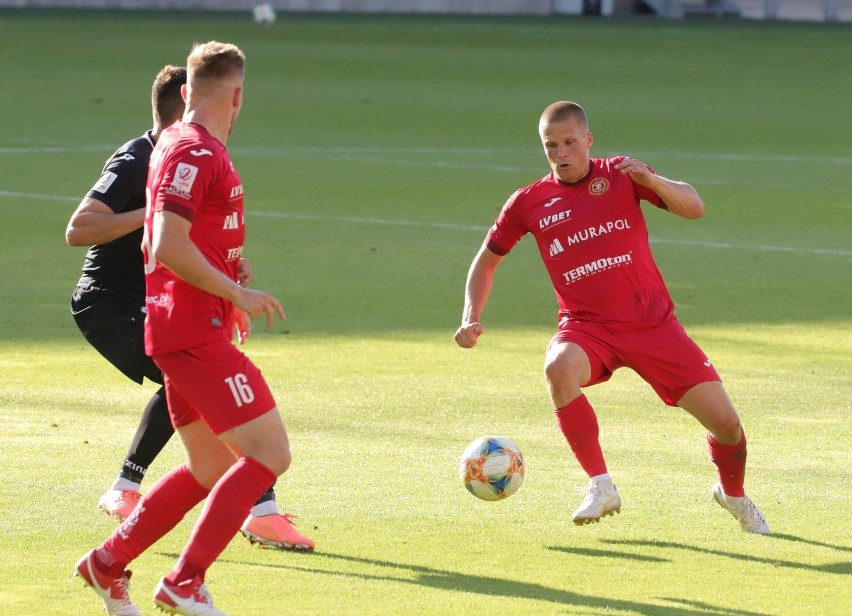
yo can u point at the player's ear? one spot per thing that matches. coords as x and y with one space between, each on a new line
590 139
183 92
238 97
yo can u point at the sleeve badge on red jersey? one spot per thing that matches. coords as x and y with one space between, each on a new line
184 178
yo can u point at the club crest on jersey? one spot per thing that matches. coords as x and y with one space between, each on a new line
184 178
599 186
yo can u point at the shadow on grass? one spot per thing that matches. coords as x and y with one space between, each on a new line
501 587
840 568
608 554
797 539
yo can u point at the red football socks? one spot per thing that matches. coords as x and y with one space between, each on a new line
730 460
160 509
579 424
224 512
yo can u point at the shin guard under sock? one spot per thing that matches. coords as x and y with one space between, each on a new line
730 461
579 424
224 512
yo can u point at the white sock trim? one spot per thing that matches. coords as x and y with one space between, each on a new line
125 484
604 481
269 507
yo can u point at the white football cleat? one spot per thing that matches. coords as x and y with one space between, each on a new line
114 592
599 502
190 598
747 514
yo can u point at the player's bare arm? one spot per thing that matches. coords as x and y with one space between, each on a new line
480 279
244 274
173 248
680 198
93 222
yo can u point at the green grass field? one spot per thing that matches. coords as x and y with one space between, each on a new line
375 152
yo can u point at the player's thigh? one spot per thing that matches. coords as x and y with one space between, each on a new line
113 323
208 457
219 384
264 439
710 405
668 360
567 362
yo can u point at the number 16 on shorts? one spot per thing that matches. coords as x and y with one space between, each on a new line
240 389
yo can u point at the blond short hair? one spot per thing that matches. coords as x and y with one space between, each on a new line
214 61
563 110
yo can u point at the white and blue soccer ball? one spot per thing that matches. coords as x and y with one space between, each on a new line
492 468
264 14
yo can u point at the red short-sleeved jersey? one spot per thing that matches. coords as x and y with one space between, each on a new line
594 243
191 175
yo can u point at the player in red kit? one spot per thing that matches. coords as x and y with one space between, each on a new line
614 308
219 402
108 305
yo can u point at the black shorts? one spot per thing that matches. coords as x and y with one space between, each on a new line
113 322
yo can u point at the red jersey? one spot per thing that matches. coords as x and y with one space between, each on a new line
191 175
594 243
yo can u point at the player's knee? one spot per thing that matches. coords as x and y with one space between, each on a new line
726 428
208 472
276 458
561 370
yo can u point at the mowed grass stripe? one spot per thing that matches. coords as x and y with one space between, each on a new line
460 227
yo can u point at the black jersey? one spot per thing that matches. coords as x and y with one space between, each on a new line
121 187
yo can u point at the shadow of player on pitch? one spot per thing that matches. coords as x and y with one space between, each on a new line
500 587
840 568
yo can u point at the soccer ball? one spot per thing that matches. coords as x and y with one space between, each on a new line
492 468
264 14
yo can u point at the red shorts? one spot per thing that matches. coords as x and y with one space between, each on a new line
664 355
214 382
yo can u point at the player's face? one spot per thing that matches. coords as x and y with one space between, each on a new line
566 145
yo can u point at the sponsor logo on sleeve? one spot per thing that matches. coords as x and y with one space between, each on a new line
201 152
552 201
183 179
126 156
105 182
234 253
237 191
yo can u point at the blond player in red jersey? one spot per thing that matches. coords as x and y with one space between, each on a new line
614 308
220 404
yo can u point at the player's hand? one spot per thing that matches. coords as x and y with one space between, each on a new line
258 303
244 276
638 171
467 335
242 325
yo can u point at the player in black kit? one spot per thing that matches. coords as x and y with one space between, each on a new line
108 306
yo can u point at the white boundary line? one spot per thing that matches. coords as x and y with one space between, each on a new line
21 195
460 227
323 152
419 158
445 225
